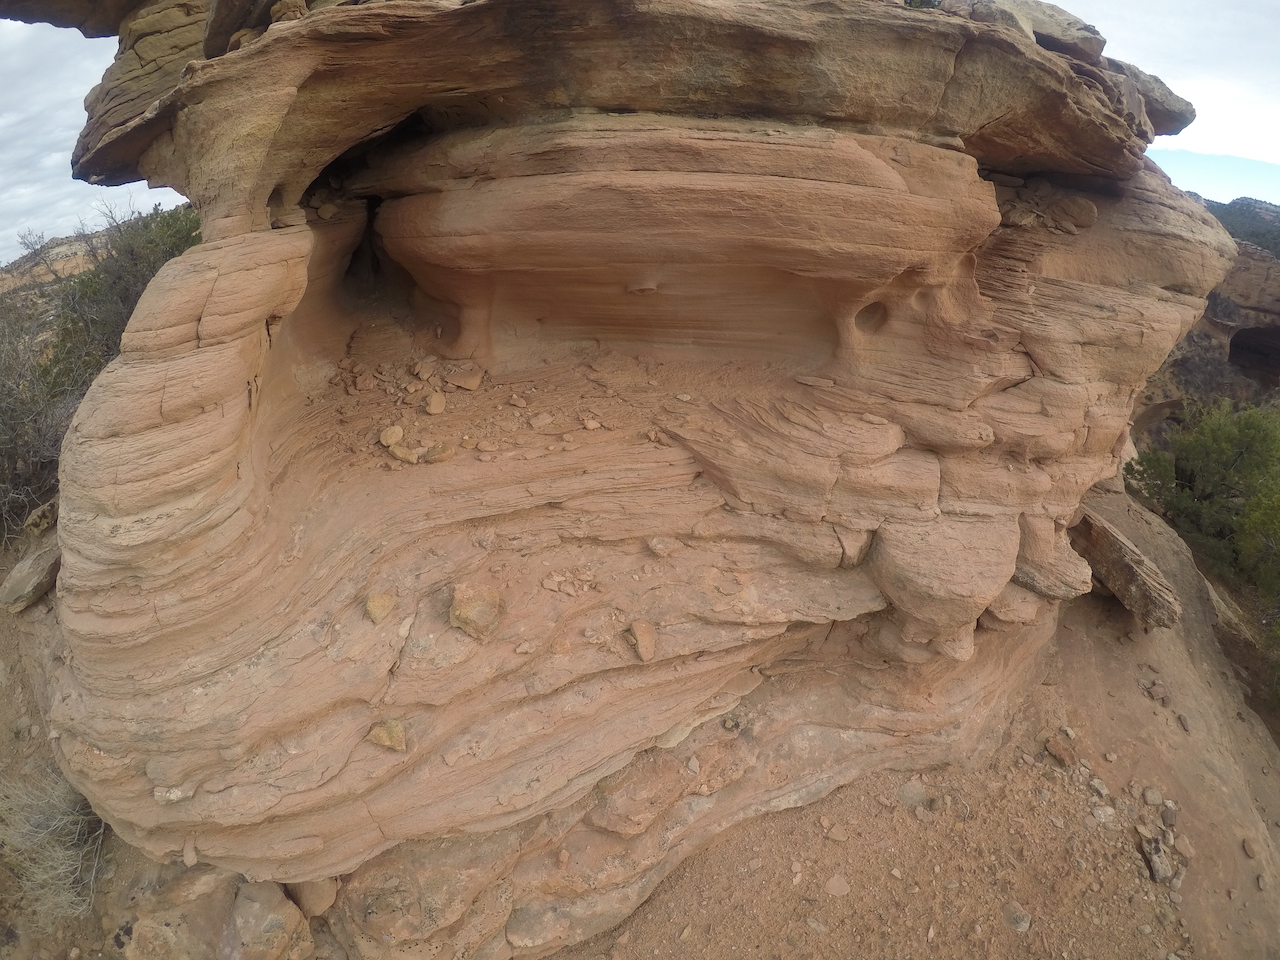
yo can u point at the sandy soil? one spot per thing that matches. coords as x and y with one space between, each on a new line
933 861
945 863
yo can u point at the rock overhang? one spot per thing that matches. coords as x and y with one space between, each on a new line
495 62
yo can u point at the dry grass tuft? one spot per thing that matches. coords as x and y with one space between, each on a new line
52 841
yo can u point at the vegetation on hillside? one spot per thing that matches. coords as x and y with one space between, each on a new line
55 339
1219 483
1251 220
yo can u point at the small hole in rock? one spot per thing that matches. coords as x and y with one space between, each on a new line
871 317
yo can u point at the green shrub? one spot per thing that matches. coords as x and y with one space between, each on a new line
58 337
1247 219
1219 484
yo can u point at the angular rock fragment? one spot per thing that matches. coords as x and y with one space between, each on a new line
378 605
645 636
34 575
389 734
1157 858
476 609
1133 578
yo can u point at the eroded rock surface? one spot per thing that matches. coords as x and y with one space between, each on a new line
1232 351
587 425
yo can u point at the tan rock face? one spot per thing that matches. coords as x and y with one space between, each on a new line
1234 349
763 435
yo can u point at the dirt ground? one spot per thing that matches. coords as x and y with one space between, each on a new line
24 754
933 862
1013 854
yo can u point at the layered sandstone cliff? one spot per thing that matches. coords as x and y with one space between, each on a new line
588 424
1232 351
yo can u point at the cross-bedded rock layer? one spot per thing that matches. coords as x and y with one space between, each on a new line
589 424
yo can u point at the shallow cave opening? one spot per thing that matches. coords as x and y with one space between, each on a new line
1255 352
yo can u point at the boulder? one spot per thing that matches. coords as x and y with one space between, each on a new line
1122 568
200 913
34 575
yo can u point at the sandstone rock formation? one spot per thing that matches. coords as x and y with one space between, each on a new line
1125 572
1232 351
589 424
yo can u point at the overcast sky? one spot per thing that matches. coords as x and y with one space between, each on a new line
1222 55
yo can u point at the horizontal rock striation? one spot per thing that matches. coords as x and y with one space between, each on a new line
1232 351
587 425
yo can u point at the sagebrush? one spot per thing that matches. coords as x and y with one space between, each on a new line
57 336
51 840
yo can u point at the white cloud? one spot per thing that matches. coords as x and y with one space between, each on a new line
1220 56
45 74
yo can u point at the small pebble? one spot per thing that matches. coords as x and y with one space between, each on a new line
1152 797
837 886
1248 848
1262 882
1169 817
1111 758
1016 917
